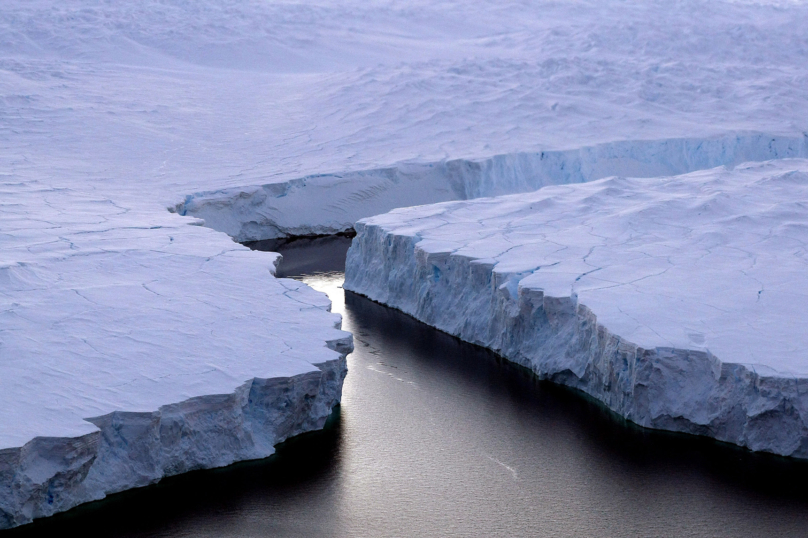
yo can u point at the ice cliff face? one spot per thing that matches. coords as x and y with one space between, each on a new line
332 203
134 449
677 302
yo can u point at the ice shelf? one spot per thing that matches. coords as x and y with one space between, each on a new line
679 302
134 346
118 321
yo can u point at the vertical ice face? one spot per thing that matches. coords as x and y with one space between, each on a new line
133 449
332 203
676 301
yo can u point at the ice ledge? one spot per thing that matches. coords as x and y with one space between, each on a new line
331 203
520 275
129 449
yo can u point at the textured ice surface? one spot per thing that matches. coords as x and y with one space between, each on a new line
677 301
332 203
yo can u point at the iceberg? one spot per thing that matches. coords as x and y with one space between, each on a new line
677 301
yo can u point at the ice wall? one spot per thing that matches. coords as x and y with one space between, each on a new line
677 302
331 203
132 449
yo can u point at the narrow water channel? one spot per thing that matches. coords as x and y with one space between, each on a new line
440 438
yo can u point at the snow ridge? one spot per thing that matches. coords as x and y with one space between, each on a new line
331 203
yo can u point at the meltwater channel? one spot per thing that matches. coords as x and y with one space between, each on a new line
436 437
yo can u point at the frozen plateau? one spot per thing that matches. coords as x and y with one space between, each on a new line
138 340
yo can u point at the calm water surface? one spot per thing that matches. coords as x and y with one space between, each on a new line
439 438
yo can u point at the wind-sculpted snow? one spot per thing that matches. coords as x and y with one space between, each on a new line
332 203
135 346
678 301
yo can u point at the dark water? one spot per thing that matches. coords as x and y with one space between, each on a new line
439 438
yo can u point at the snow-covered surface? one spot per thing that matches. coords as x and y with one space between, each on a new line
678 301
106 309
176 97
112 112
135 346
